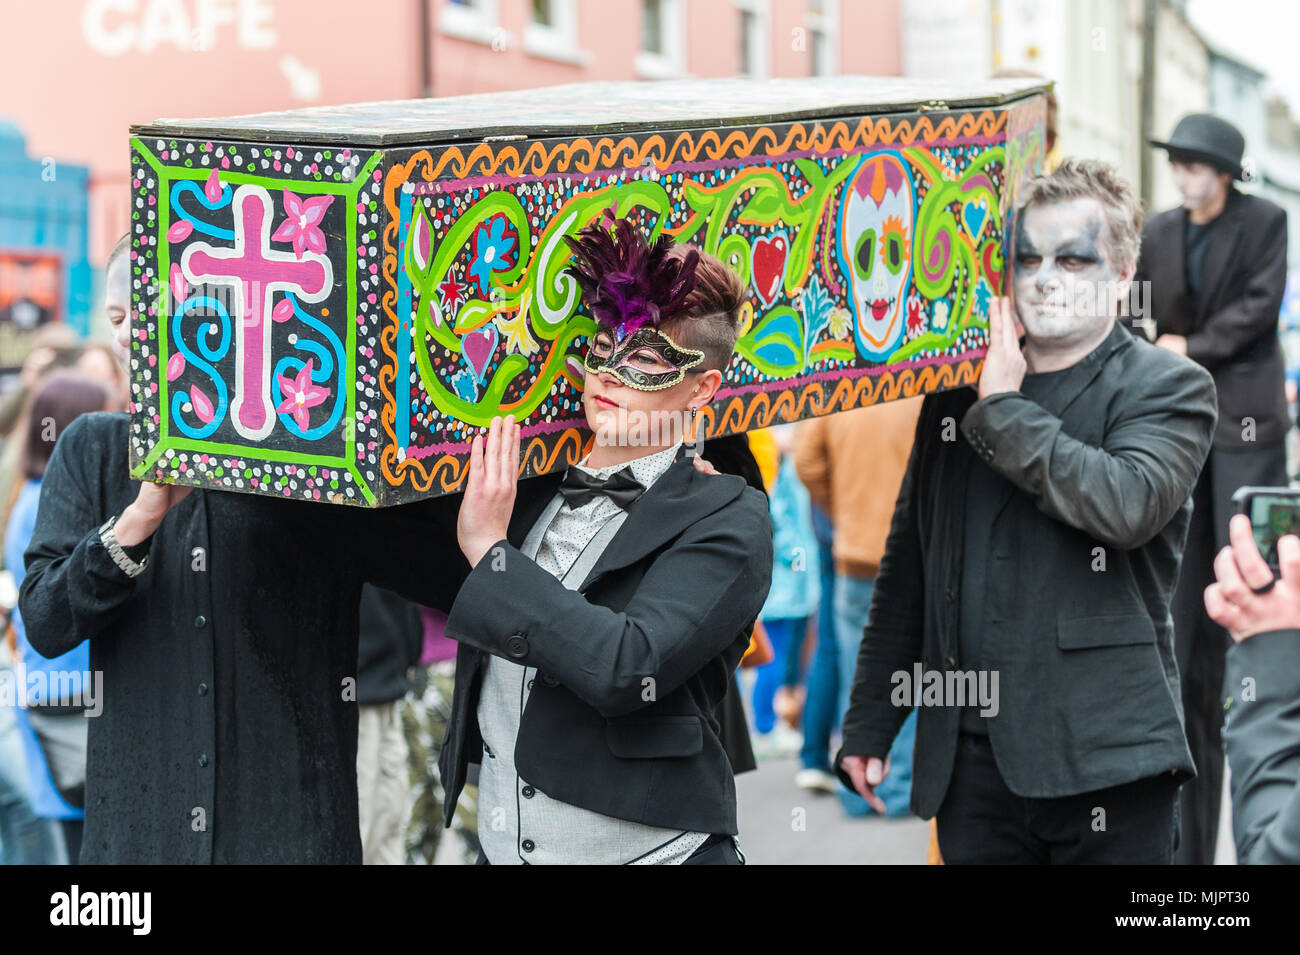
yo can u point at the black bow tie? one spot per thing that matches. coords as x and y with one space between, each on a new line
579 487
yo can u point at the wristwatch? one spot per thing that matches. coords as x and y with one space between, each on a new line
108 537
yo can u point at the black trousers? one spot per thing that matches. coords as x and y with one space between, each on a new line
1201 645
982 821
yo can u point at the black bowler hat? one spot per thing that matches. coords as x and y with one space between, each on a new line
1205 138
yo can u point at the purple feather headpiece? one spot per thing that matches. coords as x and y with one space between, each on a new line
625 280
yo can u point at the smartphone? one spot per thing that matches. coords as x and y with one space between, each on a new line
1273 512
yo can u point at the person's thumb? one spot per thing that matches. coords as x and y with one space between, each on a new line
1288 559
875 771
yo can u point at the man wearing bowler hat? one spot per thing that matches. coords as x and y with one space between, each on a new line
1217 269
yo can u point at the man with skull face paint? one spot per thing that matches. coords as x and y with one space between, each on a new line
1040 548
609 605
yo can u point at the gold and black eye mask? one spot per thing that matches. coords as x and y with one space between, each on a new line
646 359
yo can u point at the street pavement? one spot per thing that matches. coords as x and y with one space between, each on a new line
781 824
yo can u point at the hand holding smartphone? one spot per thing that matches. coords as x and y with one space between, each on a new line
1274 512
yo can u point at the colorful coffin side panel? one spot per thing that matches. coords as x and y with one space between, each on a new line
336 324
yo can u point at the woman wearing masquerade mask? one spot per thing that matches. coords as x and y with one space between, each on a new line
608 605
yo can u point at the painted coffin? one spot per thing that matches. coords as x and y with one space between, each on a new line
328 303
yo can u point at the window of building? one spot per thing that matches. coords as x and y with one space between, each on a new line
552 32
822 23
663 40
754 36
476 20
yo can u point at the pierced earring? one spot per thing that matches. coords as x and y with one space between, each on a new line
694 411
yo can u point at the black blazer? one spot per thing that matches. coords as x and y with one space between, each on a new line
631 665
1232 329
1088 686
1262 733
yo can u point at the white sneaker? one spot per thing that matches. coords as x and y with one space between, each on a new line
816 780
786 741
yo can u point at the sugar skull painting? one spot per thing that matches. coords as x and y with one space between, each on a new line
875 247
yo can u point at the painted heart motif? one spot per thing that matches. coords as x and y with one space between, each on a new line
767 265
974 215
477 349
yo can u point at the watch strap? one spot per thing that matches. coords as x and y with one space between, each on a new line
124 561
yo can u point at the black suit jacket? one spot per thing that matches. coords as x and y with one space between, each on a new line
1088 686
1232 328
1262 733
632 664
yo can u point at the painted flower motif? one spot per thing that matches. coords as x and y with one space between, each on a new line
983 294
452 293
515 329
817 307
915 317
300 394
302 225
212 188
941 314
841 323
465 386
495 244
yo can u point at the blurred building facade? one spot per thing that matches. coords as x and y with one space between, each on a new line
44 271
90 68
1092 49
87 69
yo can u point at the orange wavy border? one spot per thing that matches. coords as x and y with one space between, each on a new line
582 155
744 414
748 412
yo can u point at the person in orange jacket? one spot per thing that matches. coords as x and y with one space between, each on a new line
852 464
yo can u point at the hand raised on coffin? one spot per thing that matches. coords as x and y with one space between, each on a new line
490 489
143 515
1004 363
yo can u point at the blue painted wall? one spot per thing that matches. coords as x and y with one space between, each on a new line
44 206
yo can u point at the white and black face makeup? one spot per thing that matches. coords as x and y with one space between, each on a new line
117 303
1067 283
1197 182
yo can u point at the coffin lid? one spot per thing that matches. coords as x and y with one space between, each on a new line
606 107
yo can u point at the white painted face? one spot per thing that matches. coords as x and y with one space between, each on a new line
1067 283
1199 183
875 248
117 303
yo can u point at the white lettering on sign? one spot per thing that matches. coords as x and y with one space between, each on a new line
118 27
